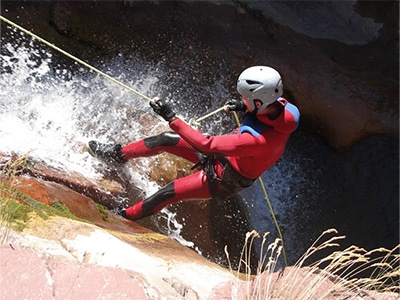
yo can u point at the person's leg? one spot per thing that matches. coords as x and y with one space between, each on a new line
165 142
192 187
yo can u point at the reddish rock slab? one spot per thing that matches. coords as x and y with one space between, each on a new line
25 274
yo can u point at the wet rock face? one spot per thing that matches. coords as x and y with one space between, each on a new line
211 224
342 71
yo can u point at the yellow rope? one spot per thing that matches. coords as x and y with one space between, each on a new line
196 122
269 205
210 114
74 58
148 99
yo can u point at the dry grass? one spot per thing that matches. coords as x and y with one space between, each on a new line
10 168
339 275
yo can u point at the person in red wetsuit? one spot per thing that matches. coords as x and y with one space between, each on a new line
227 163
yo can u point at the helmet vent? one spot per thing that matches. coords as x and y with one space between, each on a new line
251 82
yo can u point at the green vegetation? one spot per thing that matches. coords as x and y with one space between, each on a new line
103 212
16 209
13 214
16 212
10 209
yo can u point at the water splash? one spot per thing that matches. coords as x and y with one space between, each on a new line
51 113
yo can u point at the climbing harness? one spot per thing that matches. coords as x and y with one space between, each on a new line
207 165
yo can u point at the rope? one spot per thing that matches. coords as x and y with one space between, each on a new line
196 122
210 114
274 218
148 99
75 58
269 205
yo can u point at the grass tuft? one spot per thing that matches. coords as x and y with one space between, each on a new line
339 275
10 209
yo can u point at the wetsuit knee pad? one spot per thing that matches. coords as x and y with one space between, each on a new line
163 139
156 201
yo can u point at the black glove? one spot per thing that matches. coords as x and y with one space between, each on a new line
235 105
162 109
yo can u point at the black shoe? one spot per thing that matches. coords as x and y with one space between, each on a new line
121 212
110 153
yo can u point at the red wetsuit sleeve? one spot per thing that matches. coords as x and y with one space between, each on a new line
228 145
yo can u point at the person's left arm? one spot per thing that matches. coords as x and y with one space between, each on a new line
230 145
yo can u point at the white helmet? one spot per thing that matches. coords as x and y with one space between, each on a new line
259 84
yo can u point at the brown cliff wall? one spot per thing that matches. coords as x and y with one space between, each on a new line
344 92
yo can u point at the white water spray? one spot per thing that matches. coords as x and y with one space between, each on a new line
51 114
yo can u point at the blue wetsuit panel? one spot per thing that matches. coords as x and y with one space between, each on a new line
252 125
